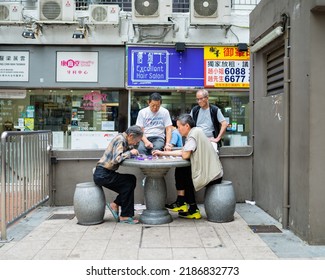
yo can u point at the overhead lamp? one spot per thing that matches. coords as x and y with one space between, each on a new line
268 38
242 47
81 31
180 47
79 34
32 30
28 33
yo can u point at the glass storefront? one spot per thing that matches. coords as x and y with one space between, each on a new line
82 118
234 106
65 111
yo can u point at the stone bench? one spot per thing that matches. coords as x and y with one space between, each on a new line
89 203
220 202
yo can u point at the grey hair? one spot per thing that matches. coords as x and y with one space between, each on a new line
186 119
204 92
134 131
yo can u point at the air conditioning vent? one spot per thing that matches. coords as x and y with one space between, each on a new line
104 14
204 8
151 11
210 12
147 8
56 10
10 12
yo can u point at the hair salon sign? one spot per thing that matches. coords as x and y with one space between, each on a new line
77 67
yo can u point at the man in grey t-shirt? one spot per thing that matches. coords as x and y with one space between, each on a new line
209 117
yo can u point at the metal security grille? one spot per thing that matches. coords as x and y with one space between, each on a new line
275 71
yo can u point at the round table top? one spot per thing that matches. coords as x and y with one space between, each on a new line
151 162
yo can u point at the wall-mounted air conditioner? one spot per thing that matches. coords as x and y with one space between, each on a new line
104 14
210 12
10 11
56 10
151 11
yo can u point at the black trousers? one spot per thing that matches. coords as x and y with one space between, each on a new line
183 180
123 184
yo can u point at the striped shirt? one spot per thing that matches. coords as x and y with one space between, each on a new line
116 151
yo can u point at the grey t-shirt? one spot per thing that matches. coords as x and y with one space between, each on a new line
204 121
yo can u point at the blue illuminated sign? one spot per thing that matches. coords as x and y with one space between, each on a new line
165 67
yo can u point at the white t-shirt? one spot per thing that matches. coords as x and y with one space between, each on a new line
154 124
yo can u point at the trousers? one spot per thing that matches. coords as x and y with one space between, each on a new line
123 184
183 180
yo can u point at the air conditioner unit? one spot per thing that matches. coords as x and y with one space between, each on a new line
104 14
10 12
56 10
151 11
210 12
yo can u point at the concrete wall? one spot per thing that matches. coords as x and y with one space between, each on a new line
300 127
72 167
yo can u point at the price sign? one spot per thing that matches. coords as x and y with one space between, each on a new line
226 67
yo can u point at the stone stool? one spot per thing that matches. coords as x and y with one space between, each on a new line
220 202
89 203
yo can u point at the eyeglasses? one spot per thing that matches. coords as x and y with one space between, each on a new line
199 99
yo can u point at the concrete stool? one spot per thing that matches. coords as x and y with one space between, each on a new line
89 203
220 202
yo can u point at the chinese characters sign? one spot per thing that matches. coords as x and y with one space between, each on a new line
226 67
77 67
14 66
164 67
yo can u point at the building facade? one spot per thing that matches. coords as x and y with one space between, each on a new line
287 103
83 69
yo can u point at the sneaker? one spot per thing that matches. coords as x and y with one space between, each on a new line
176 207
187 215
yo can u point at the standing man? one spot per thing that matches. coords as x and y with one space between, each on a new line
209 117
156 124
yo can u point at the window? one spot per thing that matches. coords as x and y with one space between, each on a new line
65 111
234 106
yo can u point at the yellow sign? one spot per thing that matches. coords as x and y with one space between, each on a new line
225 53
226 67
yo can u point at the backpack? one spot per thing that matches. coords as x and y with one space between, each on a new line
214 117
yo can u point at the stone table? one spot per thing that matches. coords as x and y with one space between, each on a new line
155 192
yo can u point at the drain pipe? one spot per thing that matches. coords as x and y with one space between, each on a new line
287 81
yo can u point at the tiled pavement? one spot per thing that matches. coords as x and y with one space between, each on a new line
38 238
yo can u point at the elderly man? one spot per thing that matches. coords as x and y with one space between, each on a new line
209 117
205 163
156 124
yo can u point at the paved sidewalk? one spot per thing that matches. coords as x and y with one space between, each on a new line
37 237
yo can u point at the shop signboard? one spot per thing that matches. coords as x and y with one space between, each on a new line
77 67
164 67
226 67
14 66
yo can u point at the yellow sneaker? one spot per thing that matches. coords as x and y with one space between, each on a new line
187 215
176 207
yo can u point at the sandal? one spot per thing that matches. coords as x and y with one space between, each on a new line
130 221
114 212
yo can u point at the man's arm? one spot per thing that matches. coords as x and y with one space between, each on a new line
168 137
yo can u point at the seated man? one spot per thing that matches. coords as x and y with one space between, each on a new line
156 124
206 167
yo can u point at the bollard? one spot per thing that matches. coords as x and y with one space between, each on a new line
220 202
89 203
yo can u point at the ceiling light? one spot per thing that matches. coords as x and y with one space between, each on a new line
79 34
28 33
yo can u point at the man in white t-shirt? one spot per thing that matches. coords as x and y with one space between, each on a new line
156 124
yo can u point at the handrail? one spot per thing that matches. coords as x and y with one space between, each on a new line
25 180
